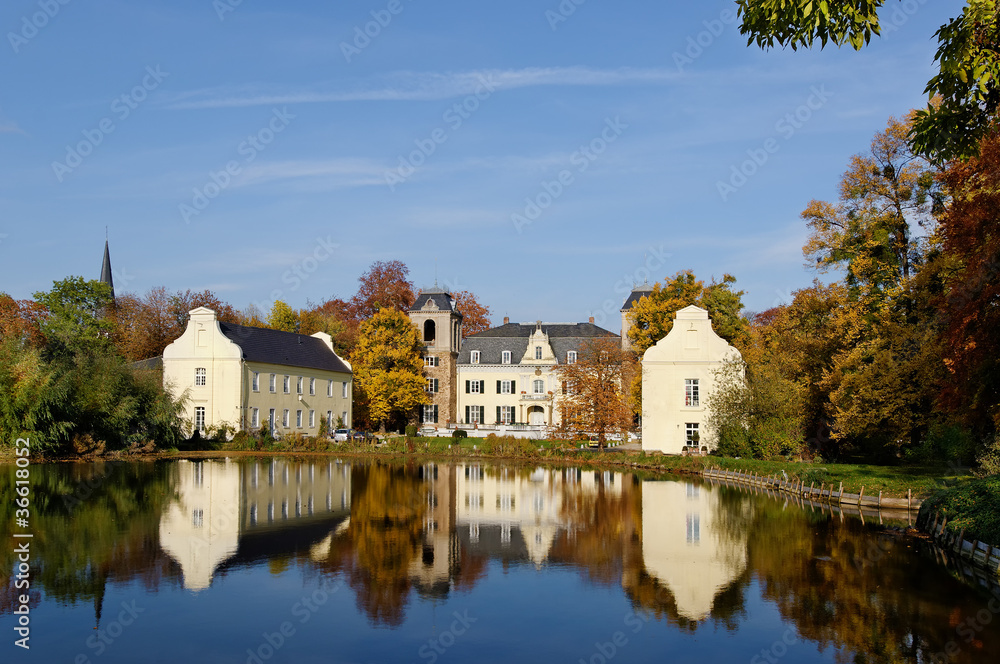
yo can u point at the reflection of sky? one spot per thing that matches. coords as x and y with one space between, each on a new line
521 615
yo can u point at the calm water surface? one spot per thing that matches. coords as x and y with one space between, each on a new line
336 561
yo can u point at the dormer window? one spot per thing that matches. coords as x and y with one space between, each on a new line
506 357
474 357
538 352
571 357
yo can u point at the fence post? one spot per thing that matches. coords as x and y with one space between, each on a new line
840 494
909 499
860 497
880 500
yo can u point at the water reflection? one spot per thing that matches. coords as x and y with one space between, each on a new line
408 537
684 548
220 504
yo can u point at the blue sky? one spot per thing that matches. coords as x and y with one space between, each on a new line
540 157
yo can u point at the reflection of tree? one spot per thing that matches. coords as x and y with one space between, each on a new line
845 589
601 529
93 524
384 536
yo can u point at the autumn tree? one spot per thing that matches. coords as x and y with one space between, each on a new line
595 396
388 371
475 316
283 317
652 316
22 320
965 91
883 195
970 301
384 285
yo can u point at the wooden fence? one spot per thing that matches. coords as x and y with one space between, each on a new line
823 494
980 554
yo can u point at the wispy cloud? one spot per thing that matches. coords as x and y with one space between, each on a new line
422 86
8 127
323 174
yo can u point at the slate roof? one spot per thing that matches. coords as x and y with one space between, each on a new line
286 348
515 336
638 292
440 297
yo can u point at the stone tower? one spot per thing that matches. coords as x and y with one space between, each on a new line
440 327
638 292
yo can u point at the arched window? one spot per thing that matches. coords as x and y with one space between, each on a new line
429 331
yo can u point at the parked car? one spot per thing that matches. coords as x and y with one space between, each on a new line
341 435
360 435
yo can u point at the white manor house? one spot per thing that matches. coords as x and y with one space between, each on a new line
504 380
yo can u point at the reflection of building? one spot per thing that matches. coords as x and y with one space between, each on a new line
684 548
252 377
678 376
224 506
500 512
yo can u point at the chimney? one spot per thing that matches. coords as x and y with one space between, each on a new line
506 320
591 320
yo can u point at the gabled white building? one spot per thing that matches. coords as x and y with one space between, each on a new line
250 377
678 375
507 375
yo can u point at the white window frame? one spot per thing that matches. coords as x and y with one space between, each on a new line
329 388
474 357
571 357
432 386
475 414
343 391
298 418
505 387
273 384
287 385
538 352
329 419
286 418
199 418
475 387
506 414
505 357
312 419
298 385
689 429
312 387
255 417
201 376
538 386
692 393
256 382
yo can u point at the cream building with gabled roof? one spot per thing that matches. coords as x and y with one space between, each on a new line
678 376
250 377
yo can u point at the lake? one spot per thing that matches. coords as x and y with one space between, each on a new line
342 560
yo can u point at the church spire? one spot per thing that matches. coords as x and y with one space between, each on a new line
106 277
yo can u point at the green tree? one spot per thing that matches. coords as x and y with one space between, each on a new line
76 320
964 92
388 372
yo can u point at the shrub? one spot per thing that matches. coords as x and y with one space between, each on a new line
411 430
459 433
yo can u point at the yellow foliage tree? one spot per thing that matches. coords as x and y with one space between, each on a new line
388 372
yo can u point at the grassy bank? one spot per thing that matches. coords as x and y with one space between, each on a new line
892 481
972 506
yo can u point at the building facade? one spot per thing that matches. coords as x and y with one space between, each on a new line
678 376
440 325
250 377
507 375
